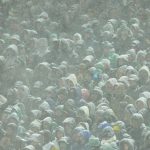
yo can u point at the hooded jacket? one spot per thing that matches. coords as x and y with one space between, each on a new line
142 101
83 113
77 90
130 143
146 114
146 145
143 75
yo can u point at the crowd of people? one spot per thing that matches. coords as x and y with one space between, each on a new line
74 74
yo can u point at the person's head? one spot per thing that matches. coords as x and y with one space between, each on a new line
71 81
148 103
85 94
106 35
77 37
55 43
110 85
50 92
44 15
131 55
22 50
133 81
120 89
101 127
143 75
88 61
130 70
129 111
69 124
119 128
40 24
106 64
84 136
94 73
11 52
90 51
46 123
127 144
63 69
137 120
122 60
99 115
76 134
136 44
147 140
11 130
94 143
88 34
82 114
121 71
45 136
135 28
15 39
59 132
124 80
69 106
5 114
59 112
124 32
35 114
37 88
96 94
13 118
35 126
147 57
2 62
107 48
56 72
141 103
62 95
35 140
23 91
140 58
41 70
63 143
107 133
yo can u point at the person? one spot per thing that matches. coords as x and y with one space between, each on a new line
74 75
138 129
127 143
64 144
94 143
145 113
146 142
